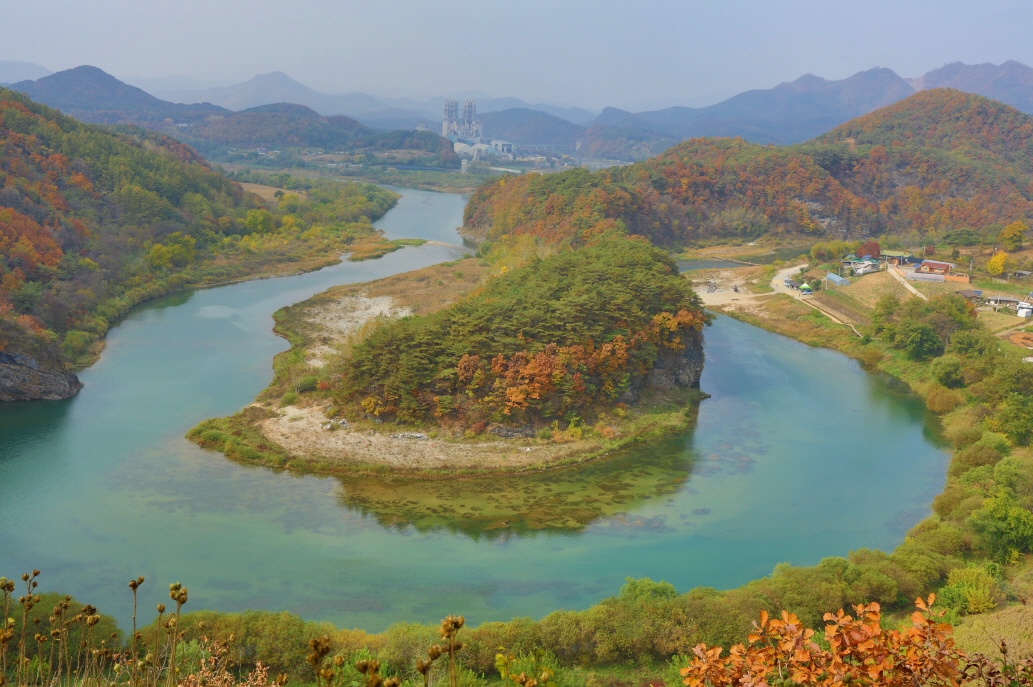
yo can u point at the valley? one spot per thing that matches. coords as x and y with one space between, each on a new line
651 395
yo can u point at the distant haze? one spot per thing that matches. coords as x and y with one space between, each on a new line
587 53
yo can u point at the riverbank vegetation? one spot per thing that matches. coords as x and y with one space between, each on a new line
94 222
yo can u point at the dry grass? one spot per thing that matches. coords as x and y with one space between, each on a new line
999 321
432 288
1014 623
267 193
870 288
842 306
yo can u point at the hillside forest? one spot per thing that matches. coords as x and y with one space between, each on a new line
938 161
93 222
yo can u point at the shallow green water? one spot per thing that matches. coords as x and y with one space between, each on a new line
101 488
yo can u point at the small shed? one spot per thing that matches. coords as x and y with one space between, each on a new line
837 280
972 295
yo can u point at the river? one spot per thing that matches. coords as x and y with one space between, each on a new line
798 455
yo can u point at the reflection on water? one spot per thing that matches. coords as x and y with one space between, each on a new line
562 501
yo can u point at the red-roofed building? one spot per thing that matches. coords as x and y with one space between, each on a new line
934 267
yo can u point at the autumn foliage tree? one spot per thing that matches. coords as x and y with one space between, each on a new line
870 248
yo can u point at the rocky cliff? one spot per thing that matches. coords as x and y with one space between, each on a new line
672 369
23 378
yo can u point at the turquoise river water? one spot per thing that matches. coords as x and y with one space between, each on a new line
799 454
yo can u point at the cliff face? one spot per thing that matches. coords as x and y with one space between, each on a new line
23 378
678 369
672 369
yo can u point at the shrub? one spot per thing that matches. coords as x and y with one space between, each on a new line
941 400
871 356
76 343
947 371
1004 527
983 452
289 398
969 590
308 383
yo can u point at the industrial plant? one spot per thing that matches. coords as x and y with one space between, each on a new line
466 133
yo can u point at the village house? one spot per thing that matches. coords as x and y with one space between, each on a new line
895 257
1003 302
859 266
934 267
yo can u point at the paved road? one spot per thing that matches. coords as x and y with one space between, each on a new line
899 277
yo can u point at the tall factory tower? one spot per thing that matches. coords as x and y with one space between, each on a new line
469 127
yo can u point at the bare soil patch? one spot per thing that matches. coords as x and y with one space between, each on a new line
303 432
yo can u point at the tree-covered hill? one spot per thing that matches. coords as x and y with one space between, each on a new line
550 341
937 161
296 126
93 222
91 95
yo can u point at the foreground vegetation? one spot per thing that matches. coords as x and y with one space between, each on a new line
73 644
92 223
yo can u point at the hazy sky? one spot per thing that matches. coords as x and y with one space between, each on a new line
592 53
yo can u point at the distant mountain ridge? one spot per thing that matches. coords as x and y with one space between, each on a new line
13 72
1010 82
265 89
92 95
788 113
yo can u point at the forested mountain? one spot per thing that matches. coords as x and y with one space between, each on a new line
1011 82
78 208
788 113
277 87
91 95
521 125
93 222
936 161
296 126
